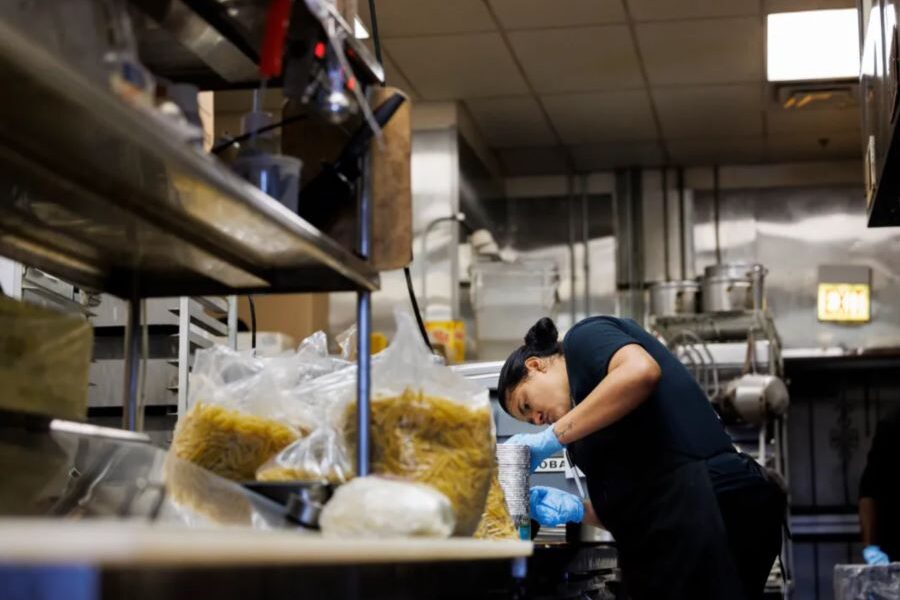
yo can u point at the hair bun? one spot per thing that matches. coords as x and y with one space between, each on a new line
543 335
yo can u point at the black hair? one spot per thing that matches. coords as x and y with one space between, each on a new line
541 341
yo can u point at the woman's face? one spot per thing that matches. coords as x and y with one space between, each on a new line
542 398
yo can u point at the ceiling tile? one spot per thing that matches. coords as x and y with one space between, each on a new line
594 157
658 10
716 151
460 66
580 59
539 14
721 110
513 121
401 18
704 51
598 117
813 121
810 147
394 78
777 6
532 161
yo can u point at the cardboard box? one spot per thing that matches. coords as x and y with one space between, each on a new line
297 315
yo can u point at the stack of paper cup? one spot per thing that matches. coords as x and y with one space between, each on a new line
514 463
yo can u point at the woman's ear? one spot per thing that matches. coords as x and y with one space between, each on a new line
534 363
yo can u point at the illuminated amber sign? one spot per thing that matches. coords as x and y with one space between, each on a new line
844 302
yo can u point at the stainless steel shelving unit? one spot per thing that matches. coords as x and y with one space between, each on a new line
110 197
114 200
719 347
196 329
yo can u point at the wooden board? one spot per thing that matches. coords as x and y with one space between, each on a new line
392 188
122 543
315 141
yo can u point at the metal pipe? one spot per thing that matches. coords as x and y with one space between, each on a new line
681 224
573 308
585 240
184 352
458 218
636 212
762 445
364 333
665 203
232 321
142 378
716 213
363 381
131 364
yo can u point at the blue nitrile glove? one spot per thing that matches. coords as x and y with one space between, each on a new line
543 444
875 556
551 506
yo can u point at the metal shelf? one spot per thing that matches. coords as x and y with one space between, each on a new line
108 196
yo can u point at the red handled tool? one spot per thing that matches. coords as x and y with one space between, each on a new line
272 54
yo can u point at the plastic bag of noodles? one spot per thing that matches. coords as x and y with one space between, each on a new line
496 522
321 456
242 411
428 424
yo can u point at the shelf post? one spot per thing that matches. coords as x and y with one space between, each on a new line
184 352
364 330
363 381
130 418
232 321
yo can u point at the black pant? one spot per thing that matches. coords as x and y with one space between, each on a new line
678 540
753 519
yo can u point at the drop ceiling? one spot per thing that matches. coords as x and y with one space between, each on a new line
555 85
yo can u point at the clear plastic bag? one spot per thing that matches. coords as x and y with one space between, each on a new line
348 343
864 582
230 443
379 507
320 456
44 360
243 409
496 522
429 425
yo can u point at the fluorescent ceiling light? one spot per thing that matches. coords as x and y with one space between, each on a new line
813 44
359 30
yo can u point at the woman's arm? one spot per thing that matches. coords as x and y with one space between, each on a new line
867 521
631 377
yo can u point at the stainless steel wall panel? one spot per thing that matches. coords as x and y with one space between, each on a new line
630 235
538 228
667 225
655 226
794 230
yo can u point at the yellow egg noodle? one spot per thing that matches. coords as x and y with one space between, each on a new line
436 441
276 473
496 522
230 443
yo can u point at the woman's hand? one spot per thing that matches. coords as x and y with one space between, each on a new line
874 555
543 444
551 506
